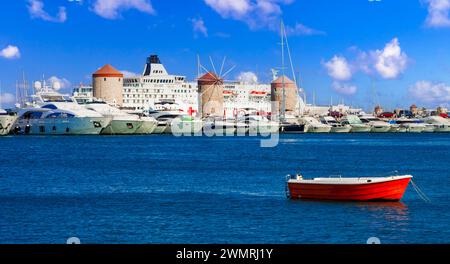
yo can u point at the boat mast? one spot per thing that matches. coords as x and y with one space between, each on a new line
283 91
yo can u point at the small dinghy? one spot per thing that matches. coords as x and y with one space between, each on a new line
389 188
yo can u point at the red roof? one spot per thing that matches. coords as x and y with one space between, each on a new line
209 78
107 71
279 80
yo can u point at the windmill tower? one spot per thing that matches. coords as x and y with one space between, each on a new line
210 89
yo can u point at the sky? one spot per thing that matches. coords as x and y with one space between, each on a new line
360 52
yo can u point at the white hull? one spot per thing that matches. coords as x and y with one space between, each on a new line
147 127
414 128
429 129
380 129
63 126
442 128
318 129
263 128
360 129
341 129
219 128
181 127
161 126
121 127
6 123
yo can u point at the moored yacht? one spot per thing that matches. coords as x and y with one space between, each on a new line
313 125
121 122
410 125
7 120
439 123
376 125
357 125
336 127
260 125
51 113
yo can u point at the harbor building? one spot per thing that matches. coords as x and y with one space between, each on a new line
107 84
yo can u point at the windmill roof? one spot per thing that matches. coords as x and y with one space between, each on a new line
107 71
279 80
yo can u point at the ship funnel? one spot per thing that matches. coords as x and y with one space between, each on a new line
153 59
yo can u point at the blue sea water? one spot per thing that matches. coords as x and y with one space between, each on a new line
164 189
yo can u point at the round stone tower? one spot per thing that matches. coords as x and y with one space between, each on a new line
107 84
291 95
210 88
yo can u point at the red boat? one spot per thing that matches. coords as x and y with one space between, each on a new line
389 188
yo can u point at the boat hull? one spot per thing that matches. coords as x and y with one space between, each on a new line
341 129
392 190
121 127
360 129
380 129
6 122
62 126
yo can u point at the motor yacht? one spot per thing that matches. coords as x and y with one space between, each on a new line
376 125
50 113
336 127
121 122
357 125
175 121
221 127
313 125
7 119
440 124
258 124
410 125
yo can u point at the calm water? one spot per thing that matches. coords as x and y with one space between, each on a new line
161 189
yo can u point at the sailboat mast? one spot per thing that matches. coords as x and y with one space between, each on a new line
283 91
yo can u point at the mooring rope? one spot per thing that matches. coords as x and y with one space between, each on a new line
421 194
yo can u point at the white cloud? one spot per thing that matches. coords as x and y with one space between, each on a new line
10 52
247 77
199 27
344 88
128 74
388 63
438 13
258 14
236 9
59 83
338 68
431 92
302 30
110 9
391 61
36 10
7 98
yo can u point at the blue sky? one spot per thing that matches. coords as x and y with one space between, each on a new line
391 52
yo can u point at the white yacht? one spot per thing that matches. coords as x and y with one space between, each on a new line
440 124
410 125
217 126
122 122
336 127
313 125
51 113
377 125
7 120
357 125
260 125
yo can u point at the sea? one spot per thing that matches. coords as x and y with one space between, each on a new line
166 189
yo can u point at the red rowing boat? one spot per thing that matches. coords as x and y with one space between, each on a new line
389 188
